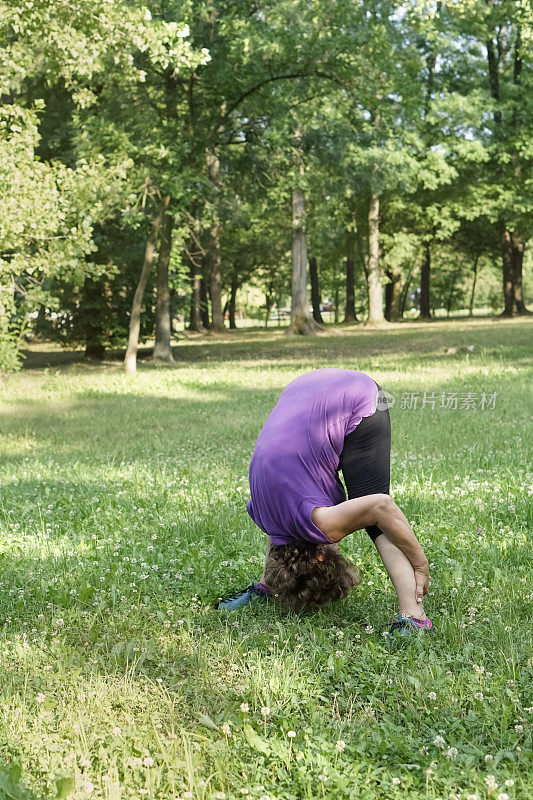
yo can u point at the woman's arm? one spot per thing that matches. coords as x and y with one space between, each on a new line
339 521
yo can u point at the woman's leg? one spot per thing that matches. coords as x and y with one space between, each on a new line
365 464
402 576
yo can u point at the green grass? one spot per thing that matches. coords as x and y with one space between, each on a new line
122 519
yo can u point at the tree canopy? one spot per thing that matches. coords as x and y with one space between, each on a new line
182 133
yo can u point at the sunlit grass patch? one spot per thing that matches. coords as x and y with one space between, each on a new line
122 520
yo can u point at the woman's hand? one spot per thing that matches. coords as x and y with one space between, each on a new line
422 581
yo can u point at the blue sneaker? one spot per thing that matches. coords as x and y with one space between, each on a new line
252 594
406 627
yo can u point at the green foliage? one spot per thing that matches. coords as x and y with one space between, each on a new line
109 105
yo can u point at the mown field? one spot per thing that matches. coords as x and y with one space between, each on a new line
122 520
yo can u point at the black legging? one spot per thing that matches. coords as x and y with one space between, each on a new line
365 458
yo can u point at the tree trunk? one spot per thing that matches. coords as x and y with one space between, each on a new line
163 324
473 292
315 291
204 303
233 299
405 293
217 316
195 320
269 302
301 320
130 360
507 271
393 295
425 272
349 313
375 300
450 293
336 301
518 246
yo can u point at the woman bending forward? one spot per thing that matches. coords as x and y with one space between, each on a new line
325 421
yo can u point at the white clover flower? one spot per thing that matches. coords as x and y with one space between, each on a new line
490 782
479 695
291 734
451 753
338 654
88 787
340 745
395 781
265 711
226 729
519 728
245 708
503 796
40 697
148 761
509 782
220 795
472 797
438 741
116 731
489 758
432 695
323 777
424 751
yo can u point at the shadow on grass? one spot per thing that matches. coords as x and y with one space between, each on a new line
339 343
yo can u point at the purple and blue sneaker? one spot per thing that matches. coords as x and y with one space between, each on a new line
406 627
253 593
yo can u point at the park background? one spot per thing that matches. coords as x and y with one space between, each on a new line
201 201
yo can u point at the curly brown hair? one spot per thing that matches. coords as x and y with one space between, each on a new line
302 575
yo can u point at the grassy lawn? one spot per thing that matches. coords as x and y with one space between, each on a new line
122 519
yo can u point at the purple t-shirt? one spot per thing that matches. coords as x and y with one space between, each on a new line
295 461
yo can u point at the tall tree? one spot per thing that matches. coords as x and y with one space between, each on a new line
163 325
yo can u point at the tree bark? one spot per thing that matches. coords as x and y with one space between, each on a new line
301 320
393 295
163 324
405 293
375 299
518 246
217 316
507 270
204 304
130 360
473 292
233 298
269 302
195 320
450 293
425 273
349 312
315 291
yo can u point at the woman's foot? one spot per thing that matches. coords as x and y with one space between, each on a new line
253 593
405 627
